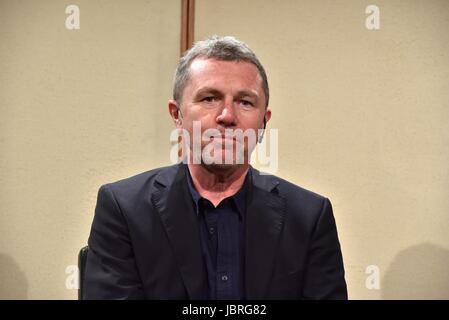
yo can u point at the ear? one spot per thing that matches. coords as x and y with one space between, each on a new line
174 111
267 116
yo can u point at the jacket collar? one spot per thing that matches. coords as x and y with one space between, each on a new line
264 220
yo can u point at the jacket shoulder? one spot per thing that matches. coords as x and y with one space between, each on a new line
300 192
289 189
134 186
302 205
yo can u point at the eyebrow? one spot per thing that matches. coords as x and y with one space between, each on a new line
241 93
248 93
206 90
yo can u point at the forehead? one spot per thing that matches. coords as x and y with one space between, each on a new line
210 72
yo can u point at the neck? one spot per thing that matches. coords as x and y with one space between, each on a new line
216 184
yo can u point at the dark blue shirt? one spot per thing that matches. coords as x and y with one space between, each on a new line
222 242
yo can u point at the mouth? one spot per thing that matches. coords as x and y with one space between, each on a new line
224 137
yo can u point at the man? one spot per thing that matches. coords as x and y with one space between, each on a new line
214 229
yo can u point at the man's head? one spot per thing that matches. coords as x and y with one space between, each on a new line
221 85
218 48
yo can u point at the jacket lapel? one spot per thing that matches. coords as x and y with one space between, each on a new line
264 222
174 204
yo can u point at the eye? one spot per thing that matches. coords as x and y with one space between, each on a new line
245 103
209 99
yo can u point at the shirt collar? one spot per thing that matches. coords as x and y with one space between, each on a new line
239 197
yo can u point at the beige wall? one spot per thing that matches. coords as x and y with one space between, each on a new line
362 118
78 109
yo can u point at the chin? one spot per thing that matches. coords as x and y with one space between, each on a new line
228 157
221 168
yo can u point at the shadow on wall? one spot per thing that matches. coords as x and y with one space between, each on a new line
418 272
13 283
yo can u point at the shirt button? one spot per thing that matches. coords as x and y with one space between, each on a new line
224 278
211 230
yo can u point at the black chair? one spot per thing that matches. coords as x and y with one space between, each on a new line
82 258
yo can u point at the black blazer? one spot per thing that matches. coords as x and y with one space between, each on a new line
145 241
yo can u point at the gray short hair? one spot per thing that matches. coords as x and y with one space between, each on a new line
220 48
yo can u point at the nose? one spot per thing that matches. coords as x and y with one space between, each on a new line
227 116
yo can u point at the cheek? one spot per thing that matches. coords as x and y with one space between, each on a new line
197 123
254 122
252 118
205 120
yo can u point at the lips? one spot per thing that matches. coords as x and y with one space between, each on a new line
224 137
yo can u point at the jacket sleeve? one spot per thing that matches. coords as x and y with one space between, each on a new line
111 271
325 275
